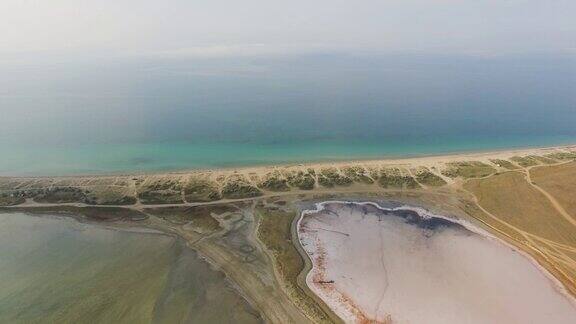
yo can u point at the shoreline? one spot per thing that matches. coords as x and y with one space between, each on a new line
349 308
404 159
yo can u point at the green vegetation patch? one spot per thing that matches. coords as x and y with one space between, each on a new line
544 159
111 213
9 199
201 190
160 197
9 184
199 217
468 169
108 195
374 173
162 184
426 177
505 164
274 181
395 178
238 187
525 161
274 231
121 200
93 213
303 180
358 174
61 195
330 177
161 191
563 156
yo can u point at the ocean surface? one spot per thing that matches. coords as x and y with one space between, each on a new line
110 115
57 270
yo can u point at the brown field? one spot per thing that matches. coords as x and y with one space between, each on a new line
509 197
560 182
520 210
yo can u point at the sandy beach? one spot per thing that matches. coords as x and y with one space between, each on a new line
379 265
431 161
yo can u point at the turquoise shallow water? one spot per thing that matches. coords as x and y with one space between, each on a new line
156 114
118 158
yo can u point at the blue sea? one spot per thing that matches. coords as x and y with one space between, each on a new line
136 114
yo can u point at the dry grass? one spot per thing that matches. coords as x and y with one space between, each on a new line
274 181
527 216
395 178
158 190
468 169
544 159
107 195
505 164
563 156
303 180
513 200
525 161
560 182
201 190
357 174
427 178
330 177
237 187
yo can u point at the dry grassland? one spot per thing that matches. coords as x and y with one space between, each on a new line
560 182
518 209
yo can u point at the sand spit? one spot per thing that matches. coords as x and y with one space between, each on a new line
405 266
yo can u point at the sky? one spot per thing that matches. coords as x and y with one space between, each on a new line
207 28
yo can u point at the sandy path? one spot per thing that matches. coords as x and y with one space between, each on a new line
533 244
552 200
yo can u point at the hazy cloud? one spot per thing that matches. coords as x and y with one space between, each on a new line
251 27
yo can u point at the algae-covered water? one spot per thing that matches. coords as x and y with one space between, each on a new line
56 270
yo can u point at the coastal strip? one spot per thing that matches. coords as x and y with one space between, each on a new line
487 190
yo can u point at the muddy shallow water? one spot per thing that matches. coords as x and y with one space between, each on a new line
55 269
395 265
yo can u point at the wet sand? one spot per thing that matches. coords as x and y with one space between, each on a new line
373 264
